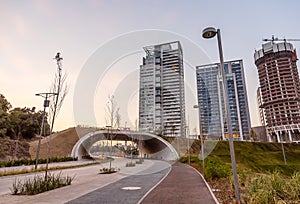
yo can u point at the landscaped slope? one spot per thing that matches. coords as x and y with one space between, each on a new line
61 143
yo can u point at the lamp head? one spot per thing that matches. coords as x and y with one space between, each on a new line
209 32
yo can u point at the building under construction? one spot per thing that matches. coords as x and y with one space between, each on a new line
279 90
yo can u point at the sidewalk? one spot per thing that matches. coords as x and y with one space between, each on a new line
184 184
55 164
86 180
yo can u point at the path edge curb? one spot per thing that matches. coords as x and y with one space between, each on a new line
161 180
207 185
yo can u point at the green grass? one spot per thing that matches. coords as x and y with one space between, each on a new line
263 176
260 157
39 184
40 169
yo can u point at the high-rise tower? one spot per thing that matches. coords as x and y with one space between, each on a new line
211 104
161 91
280 90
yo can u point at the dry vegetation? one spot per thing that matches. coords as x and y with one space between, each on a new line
13 149
61 142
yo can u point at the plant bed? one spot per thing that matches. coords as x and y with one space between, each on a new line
108 170
130 164
38 184
140 161
26 161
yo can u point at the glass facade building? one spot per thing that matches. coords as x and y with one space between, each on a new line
161 90
212 117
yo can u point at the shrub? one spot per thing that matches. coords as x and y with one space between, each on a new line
215 169
140 161
192 159
26 161
130 164
39 184
108 170
274 188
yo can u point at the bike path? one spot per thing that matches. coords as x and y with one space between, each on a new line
128 190
183 184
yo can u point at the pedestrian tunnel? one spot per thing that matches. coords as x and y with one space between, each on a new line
149 145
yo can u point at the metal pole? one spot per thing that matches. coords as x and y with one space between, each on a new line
283 152
40 136
131 147
282 147
110 148
57 93
226 105
201 137
189 153
202 151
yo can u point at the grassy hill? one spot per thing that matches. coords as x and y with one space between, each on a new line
254 156
61 143
263 176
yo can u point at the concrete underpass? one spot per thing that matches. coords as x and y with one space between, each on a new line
151 145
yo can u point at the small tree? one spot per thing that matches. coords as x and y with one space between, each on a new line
4 107
112 118
60 88
4 104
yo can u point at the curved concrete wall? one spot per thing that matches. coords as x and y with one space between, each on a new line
153 146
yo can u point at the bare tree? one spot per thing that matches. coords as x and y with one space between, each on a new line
113 117
60 88
112 120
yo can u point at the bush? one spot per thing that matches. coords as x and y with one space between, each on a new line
140 161
274 188
130 164
38 184
215 169
192 159
26 161
108 170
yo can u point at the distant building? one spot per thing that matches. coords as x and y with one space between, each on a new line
280 90
211 104
259 134
261 111
161 90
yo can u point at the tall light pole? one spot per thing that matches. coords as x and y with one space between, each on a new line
109 126
201 137
46 104
207 33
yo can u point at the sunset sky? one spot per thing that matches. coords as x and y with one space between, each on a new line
109 36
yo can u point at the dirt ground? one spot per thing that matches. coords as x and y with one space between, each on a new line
13 149
61 144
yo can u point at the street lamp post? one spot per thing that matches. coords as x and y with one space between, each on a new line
46 104
109 135
201 137
210 33
188 144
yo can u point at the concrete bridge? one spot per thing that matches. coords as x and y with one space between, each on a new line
149 144
76 142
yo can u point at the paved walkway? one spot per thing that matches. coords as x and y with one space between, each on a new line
183 185
128 190
179 184
86 180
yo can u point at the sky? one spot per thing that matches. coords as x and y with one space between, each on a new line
101 43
